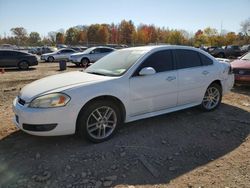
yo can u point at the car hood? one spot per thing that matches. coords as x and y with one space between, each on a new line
244 64
58 83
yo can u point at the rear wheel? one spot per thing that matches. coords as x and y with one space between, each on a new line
50 59
99 120
212 97
23 65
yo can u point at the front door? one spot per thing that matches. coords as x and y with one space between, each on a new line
154 92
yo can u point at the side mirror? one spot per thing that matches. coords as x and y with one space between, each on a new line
147 71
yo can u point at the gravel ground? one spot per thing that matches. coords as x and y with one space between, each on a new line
188 148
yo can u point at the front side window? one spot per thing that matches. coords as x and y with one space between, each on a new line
187 58
161 61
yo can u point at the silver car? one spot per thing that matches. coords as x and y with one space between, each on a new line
90 55
62 54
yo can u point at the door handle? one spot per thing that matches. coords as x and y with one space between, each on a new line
205 72
170 78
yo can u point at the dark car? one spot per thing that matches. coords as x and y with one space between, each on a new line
216 51
44 50
245 48
12 58
241 69
232 51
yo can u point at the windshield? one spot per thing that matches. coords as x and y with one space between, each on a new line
116 63
246 57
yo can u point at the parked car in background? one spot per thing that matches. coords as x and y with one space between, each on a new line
33 50
124 86
44 50
216 51
8 47
62 54
59 46
12 58
90 55
245 48
241 69
232 51
79 48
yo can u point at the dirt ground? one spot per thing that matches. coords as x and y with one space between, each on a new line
188 148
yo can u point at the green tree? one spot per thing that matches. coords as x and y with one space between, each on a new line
71 36
34 38
20 35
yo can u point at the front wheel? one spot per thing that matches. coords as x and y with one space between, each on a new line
23 65
212 97
99 121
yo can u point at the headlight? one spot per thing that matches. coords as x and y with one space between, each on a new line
50 101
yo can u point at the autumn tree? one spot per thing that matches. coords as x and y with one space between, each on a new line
176 37
92 33
126 30
60 38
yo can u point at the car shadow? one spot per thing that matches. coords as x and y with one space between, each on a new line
242 89
150 151
18 70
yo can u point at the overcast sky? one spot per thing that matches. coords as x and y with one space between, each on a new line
51 15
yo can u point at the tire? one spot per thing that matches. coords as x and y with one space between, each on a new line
98 121
212 97
221 55
51 59
85 62
23 65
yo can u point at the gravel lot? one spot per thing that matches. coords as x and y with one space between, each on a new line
189 148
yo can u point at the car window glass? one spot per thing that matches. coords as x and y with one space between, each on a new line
105 50
187 58
161 61
205 60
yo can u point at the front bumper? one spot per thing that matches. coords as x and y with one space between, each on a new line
75 59
44 122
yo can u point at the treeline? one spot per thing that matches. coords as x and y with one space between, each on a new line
127 33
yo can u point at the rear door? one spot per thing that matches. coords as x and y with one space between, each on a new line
194 76
8 59
154 92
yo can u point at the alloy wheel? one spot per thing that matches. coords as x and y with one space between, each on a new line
101 122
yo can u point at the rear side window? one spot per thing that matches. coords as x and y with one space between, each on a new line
106 50
205 60
161 61
187 58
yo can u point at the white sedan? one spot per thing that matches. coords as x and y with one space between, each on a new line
62 54
124 86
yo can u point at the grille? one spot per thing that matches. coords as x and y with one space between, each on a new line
21 101
241 71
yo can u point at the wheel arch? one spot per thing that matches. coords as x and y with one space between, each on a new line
84 57
104 97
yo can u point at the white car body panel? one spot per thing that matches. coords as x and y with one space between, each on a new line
141 96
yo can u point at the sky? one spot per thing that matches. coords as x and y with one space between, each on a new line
44 16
